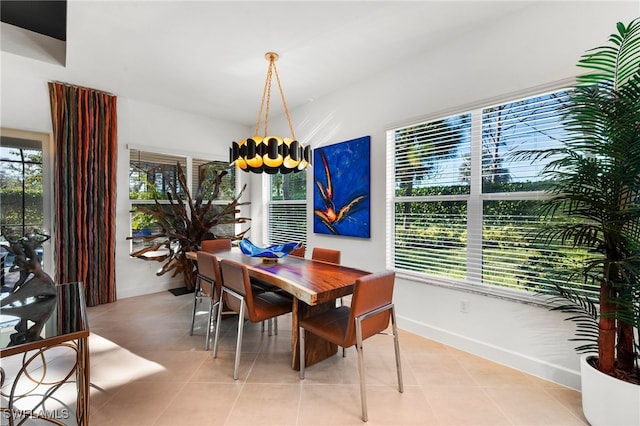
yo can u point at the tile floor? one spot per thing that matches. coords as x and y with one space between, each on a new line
147 370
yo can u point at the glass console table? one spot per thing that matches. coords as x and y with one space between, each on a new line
44 351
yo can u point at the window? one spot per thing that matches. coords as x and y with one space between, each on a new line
152 175
287 208
463 208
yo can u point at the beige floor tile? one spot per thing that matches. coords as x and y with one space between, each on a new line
387 406
334 370
140 403
465 405
273 367
329 405
438 371
487 373
201 404
531 406
570 399
266 404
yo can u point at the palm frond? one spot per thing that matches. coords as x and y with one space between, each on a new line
584 314
616 62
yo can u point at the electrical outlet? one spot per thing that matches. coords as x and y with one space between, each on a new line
464 306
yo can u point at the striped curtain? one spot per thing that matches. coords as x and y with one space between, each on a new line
85 137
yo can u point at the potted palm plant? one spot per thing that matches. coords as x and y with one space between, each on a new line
595 189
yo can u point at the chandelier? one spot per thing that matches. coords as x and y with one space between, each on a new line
270 154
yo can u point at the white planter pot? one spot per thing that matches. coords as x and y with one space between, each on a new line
606 400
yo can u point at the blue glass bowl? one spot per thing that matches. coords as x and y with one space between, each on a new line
273 252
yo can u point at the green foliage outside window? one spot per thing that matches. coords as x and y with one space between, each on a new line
21 190
292 186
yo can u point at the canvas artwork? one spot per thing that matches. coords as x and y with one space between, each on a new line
342 188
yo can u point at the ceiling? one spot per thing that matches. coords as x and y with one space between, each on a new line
207 57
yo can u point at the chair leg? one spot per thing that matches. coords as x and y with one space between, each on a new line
396 345
193 314
239 341
212 308
275 325
302 352
270 326
363 393
217 333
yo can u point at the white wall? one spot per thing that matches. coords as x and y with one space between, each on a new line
535 48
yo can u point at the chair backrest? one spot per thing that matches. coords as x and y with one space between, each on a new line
326 255
235 276
219 244
299 252
370 293
208 266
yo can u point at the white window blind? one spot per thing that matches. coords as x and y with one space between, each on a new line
287 222
431 190
287 208
464 209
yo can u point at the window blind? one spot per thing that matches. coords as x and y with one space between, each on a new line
287 208
287 222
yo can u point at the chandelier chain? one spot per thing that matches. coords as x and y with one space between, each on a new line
284 102
266 100
265 91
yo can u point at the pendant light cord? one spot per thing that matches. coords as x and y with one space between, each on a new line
266 97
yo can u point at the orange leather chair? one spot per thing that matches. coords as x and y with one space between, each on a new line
219 244
326 255
299 252
329 256
238 296
369 314
208 286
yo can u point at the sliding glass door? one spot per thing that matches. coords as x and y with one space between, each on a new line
25 197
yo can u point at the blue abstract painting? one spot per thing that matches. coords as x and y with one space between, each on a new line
341 196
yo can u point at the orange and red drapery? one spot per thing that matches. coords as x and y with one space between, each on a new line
85 157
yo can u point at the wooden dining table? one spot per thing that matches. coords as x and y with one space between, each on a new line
314 285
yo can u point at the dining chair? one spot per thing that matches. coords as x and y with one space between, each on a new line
299 252
329 256
208 284
369 314
238 296
206 280
326 255
218 244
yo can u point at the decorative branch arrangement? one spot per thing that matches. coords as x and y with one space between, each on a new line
186 221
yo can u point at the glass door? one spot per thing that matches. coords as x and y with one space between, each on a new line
25 202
